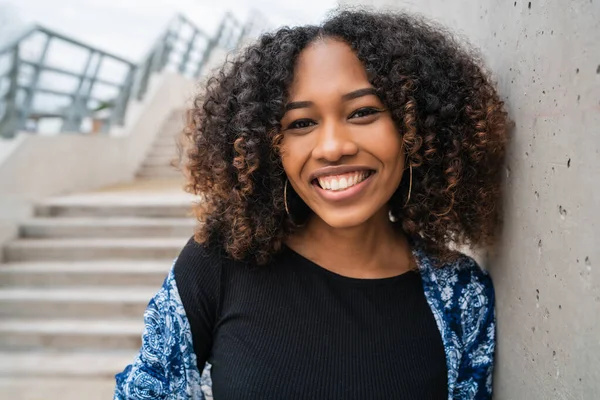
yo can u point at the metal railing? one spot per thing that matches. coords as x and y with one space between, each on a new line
92 91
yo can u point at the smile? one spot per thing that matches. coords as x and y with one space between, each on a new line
342 181
342 187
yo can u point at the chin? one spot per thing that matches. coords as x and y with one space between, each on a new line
341 220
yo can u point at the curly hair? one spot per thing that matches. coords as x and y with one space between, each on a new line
441 98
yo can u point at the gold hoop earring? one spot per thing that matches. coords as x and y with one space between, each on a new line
285 204
287 210
409 184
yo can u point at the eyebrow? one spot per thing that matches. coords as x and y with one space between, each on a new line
347 97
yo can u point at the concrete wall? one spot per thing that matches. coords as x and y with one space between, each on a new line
546 57
33 167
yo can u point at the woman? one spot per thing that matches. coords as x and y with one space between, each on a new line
339 165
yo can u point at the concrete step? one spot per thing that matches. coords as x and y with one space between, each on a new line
163 148
159 172
61 375
124 273
160 168
163 162
92 249
159 161
114 209
107 227
64 364
75 303
128 273
174 124
163 151
72 335
57 389
166 140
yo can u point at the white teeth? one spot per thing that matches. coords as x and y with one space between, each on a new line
342 182
324 184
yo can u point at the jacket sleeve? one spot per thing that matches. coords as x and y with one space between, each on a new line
165 367
477 305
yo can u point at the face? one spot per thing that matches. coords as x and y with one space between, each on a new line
341 150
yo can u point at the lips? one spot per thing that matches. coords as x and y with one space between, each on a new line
349 194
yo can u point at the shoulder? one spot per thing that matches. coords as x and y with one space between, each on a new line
465 286
467 277
198 273
464 290
461 277
198 261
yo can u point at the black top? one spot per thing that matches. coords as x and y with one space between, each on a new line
294 330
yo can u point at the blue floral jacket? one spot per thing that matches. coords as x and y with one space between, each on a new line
460 294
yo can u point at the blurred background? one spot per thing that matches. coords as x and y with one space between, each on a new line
93 94
132 26
128 33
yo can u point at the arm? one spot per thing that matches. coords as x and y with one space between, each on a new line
478 317
165 367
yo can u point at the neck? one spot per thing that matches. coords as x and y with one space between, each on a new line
373 249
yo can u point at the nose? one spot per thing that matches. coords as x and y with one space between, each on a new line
333 143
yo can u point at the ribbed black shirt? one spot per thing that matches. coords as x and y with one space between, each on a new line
294 330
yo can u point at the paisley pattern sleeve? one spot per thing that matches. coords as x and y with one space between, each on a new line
165 367
461 297
476 305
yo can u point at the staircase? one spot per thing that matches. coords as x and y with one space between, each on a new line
75 284
158 163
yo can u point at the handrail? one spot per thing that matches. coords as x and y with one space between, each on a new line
187 55
38 28
26 32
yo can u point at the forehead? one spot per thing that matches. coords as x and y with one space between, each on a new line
326 66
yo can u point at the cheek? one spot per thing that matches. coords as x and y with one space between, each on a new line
291 157
386 145
391 153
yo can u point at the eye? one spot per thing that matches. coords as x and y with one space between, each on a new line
301 124
365 112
